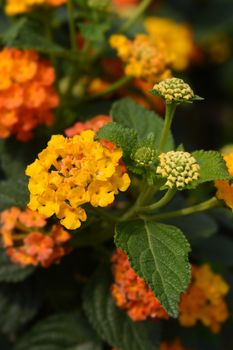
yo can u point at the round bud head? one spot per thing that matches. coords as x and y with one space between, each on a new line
174 90
178 168
144 156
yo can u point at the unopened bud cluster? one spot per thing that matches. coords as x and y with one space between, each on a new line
174 89
179 168
144 156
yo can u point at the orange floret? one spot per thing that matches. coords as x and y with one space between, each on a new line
131 293
94 124
204 300
225 187
15 7
171 345
26 242
27 96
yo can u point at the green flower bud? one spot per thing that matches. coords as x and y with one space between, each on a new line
178 168
174 90
144 156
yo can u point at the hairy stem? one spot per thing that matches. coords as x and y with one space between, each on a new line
210 203
170 110
164 200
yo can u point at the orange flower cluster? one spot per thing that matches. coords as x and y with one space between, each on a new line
26 93
173 345
93 124
225 187
15 7
131 293
26 242
204 300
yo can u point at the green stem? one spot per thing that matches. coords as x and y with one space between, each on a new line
70 10
136 14
170 110
210 203
164 200
115 86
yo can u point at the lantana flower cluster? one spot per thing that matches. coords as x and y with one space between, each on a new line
172 38
204 300
15 7
141 57
27 96
225 187
29 241
72 172
131 293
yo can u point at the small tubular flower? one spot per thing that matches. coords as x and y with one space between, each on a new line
204 300
15 7
28 240
178 168
27 96
164 32
131 293
225 187
174 90
71 172
141 57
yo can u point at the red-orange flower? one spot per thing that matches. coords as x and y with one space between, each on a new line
131 293
27 243
27 96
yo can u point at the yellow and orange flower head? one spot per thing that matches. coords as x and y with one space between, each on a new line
141 57
204 300
27 96
16 7
74 171
26 242
225 187
174 40
131 293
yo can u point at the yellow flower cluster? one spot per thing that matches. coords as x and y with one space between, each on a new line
178 168
141 57
74 171
225 187
174 39
204 300
174 89
15 7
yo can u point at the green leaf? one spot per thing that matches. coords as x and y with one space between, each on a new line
123 137
112 324
24 34
14 193
10 272
159 254
212 167
18 305
94 32
146 123
65 331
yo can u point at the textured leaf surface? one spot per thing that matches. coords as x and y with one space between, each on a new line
10 272
131 115
23 34
212 167
18 305
14 193
112 324
68 331
125 138
159 254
